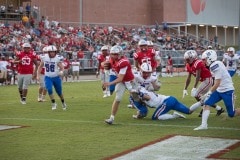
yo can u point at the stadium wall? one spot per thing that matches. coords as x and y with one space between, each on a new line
224 15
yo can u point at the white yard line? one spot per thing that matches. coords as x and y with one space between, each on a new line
130 124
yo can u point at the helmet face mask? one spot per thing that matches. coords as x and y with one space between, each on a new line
143 45
231 51
116 50
146 70
190 56
104 48
150 44
52 51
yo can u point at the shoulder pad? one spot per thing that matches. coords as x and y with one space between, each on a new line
214 67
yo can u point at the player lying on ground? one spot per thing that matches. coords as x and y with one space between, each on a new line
162 103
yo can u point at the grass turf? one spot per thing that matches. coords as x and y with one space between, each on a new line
80 133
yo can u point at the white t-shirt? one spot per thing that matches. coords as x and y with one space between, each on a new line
219 71
3 65
75 66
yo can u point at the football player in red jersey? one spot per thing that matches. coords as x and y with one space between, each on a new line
123 68
103 58
25 60
155 60
197 68
144 55
42 89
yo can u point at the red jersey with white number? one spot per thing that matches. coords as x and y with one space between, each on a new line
26 62
101 58
198 65
66 64
145 57
122 63
153 61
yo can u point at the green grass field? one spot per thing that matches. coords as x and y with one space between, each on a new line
80 132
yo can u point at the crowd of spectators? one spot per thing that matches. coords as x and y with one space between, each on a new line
89 38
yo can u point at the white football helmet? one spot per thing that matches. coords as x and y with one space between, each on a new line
52 48
104 48
149 43
142 42
145 67
231 49
45 49
210 56
190 56
116 50
26 45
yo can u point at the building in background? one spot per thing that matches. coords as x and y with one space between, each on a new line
217 20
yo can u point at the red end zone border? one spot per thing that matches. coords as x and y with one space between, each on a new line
198 148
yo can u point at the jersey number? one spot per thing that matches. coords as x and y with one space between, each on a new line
26 61
50 67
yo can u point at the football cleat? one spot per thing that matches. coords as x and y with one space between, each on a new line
40 100
23 102
54 106
105 95
130 106
64 106
201 127
109 121
219 112
178 115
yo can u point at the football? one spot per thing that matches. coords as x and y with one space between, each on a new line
107 65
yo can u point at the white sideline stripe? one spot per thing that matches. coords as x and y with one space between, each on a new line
130 124
4 127
178 147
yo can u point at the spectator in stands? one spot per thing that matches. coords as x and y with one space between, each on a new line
3 11
75 69
28 9
25 20
66 65
94 58
80 56
3 69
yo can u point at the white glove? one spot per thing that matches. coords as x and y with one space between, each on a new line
60 73
193 92
185 93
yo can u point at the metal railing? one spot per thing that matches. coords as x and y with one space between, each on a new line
88 64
